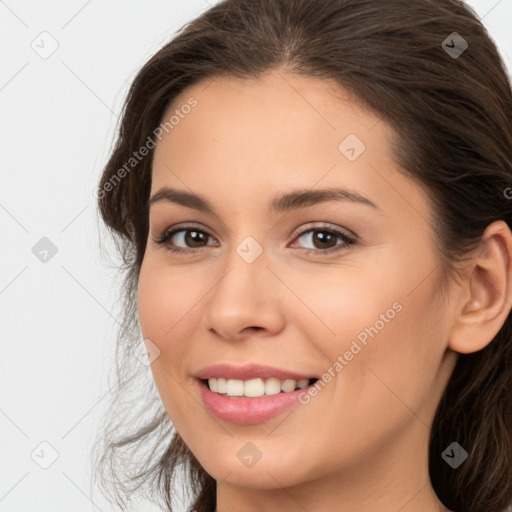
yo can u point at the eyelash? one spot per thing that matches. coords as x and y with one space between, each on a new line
167 235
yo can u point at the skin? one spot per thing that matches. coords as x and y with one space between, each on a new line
362 442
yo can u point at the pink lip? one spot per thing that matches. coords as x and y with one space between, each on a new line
245 410
249 371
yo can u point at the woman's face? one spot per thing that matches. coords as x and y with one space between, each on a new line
266 280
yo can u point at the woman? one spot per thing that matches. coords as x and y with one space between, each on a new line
310 197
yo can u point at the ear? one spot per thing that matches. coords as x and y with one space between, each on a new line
486 295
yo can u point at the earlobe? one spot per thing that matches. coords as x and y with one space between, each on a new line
486 295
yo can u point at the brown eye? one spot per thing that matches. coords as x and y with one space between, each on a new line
325 240
194 238
184 239
188 239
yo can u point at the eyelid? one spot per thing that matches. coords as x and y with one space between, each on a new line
173 230
314 225
348 237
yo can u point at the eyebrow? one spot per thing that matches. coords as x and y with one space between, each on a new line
281 203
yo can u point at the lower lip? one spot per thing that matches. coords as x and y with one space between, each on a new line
246 410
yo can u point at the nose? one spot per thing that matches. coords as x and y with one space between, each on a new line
245 301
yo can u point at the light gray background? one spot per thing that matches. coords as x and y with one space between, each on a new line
59 317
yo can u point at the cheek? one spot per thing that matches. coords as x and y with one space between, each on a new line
380 335
168 303
385 380
338 306
168 307
394 373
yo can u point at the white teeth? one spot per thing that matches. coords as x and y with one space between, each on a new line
303 383
288 385
235 387
255 388
221 385
272 386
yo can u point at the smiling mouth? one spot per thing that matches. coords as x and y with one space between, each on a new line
255 388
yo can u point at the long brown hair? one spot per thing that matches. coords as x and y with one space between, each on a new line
451 109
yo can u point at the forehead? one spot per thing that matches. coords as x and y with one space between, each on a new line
246 138
277 121
282 102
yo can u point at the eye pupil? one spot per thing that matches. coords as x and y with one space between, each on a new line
323 237
192 237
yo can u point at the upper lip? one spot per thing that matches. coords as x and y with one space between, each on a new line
249 371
